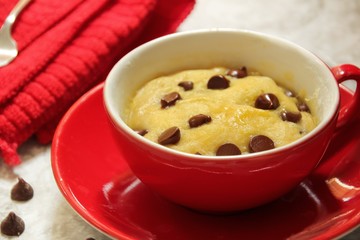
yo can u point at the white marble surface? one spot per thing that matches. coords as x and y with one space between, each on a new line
329 28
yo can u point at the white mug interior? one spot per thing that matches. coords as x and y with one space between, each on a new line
287 63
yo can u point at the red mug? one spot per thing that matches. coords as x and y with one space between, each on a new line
228 183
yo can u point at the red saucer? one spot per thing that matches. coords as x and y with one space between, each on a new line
96 181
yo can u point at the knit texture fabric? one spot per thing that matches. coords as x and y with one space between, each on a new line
66 48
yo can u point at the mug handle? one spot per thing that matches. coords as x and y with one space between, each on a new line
351 110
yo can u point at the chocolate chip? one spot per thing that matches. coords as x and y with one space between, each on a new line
198 120
197 153
169 99
237 73
228 149
267 101
142 132
290 116
12 225
303 107
170 136
218 82
22 191
186 85
260 143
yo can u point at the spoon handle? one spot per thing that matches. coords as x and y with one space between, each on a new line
16 11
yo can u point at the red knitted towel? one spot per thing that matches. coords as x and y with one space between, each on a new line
65 49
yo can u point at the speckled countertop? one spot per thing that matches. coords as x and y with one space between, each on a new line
330 29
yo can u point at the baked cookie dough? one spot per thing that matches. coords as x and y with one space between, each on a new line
219 111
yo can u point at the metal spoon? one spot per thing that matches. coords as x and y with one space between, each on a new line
8 46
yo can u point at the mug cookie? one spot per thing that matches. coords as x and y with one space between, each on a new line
219 111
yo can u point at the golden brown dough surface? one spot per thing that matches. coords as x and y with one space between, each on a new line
234 119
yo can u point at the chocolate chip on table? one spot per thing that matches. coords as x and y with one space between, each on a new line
12 225
260 143
237 73
267 101
186 85
22 191
218 82
303 107
169 99
290 116
142 132
198 120
170 136
228 149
